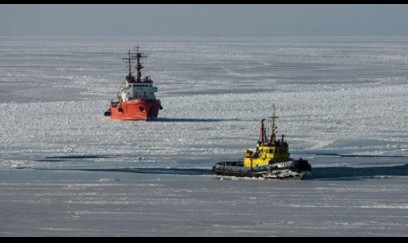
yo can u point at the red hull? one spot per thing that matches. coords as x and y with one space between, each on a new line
135 110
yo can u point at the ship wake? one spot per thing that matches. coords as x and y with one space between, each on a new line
321 173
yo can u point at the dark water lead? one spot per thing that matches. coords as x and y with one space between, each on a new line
321 173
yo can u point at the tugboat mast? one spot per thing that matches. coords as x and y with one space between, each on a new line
272 121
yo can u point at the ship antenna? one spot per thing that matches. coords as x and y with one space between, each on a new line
139 66
129 60
272 121
129 63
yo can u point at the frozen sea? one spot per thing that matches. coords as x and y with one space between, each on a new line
65 169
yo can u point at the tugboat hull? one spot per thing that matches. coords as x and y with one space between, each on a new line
296 169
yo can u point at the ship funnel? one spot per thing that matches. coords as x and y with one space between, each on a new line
273 127
262 135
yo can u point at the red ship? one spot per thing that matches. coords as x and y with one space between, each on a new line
136 99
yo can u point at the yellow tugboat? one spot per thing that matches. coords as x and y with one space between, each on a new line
270 159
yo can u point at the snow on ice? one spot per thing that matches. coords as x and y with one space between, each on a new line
341 103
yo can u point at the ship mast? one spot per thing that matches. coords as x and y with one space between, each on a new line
139 65
272 121
129 59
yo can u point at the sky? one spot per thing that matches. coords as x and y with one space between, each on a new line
204 20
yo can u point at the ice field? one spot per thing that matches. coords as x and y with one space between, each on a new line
341 102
